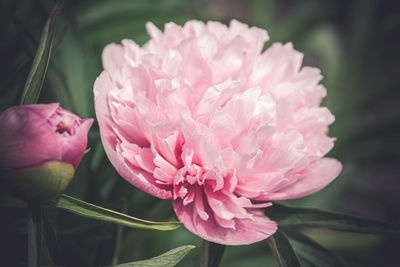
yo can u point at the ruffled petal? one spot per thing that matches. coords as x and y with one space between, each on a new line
317 175
132 174
246 231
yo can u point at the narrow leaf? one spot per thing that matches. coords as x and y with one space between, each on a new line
168 259
286 215
211 254
85 209
38 70
283 250
310 251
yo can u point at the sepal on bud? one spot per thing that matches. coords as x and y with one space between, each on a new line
41 182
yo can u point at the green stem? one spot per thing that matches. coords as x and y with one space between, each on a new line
32 244
118 238
211 254
40 232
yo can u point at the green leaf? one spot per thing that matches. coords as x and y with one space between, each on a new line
294 216
309 251
168 259
38 70
211 254
85 209
283 250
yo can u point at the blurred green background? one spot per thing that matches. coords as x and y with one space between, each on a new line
356 45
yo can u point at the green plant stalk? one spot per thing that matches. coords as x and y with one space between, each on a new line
118 238
211 254
34 219
32 248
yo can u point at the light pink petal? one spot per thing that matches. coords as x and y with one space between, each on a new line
255 185
125 117
256 37
173 34
166 140
171 99
223 127
137 81
165 171
229 60
172 63
189 128
313 92
132 52
313 124
142 180
247 231
214 98
194 28
208 46
203 152
278 63
153 31
147 115
113 60
283 151
252 140
218 29
318 175
241 107
199 206
196 70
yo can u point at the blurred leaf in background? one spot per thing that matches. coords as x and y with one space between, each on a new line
355 43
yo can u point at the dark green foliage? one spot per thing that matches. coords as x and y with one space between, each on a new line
283 251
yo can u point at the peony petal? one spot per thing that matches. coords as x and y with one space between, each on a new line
153 31
165 171
223 127
247 231
27 138
241 107
318 175
277 64
113 60
194 28
229 60
133 175
196 70
73 149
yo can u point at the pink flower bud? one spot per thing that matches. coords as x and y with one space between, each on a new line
43 140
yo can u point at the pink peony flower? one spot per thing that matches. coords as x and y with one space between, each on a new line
41 146
201 116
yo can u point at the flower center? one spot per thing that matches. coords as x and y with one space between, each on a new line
62 128
63 123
